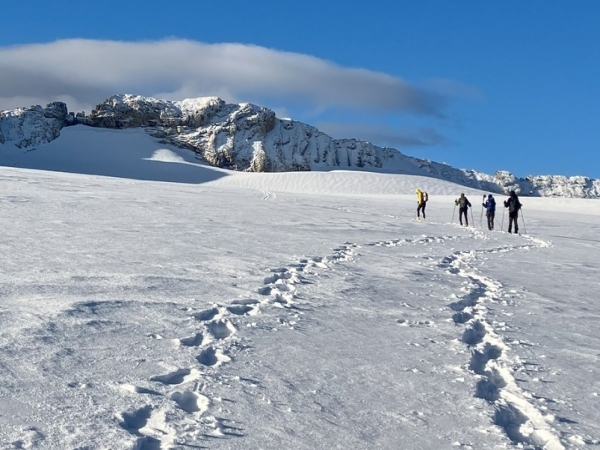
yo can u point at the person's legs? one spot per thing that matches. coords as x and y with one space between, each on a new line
464 211
424 205
516 222
511 219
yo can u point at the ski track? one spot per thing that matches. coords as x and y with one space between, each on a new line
217 340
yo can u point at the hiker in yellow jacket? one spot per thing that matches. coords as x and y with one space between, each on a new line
422 198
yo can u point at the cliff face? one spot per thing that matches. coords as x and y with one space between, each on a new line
238 136
251 138
30 127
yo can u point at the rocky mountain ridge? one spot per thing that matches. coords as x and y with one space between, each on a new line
251 138
34 126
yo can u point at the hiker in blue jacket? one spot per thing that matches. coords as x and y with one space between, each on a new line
490 211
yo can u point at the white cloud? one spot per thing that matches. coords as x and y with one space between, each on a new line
385 135
88 71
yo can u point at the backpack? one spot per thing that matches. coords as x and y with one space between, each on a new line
425 197
462 202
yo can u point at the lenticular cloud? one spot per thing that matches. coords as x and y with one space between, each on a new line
89 70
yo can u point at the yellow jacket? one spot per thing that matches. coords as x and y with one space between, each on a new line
420 197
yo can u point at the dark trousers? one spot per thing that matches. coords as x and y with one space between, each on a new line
420 208
490 218
513 217
462 211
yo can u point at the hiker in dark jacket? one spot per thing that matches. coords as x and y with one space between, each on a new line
463 204
514 205
490 211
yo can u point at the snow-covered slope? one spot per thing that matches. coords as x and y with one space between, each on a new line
138 315
246 137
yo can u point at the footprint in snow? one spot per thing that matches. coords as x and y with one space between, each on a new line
281 287
139 390
240 310
221 329
474 334
148 443
192 341
284 300
132 422
480 357
462 317
245 301
282 276
243 306
211 357
191 402
265 290
178 377
207 314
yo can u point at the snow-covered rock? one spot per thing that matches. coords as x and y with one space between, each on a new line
30 127
239 136
251 138
561 186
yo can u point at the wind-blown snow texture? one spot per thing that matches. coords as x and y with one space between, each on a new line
144 315
285 310
247 137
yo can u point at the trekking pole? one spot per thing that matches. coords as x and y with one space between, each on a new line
453 211
472 220
502 225
523 218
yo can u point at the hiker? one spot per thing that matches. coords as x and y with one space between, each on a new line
514 205
490 211
422 198
463 204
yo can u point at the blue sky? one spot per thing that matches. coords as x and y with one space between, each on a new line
485 85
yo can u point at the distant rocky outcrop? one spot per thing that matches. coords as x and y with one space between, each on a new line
251 138
30 127
503 182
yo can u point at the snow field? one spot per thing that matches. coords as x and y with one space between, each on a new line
245 312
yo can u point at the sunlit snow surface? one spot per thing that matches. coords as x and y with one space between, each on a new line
285 311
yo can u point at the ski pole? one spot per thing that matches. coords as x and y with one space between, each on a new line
502 225
481 218
453 211
472 220
523 218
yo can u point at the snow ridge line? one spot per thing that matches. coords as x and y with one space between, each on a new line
216 340
522 422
